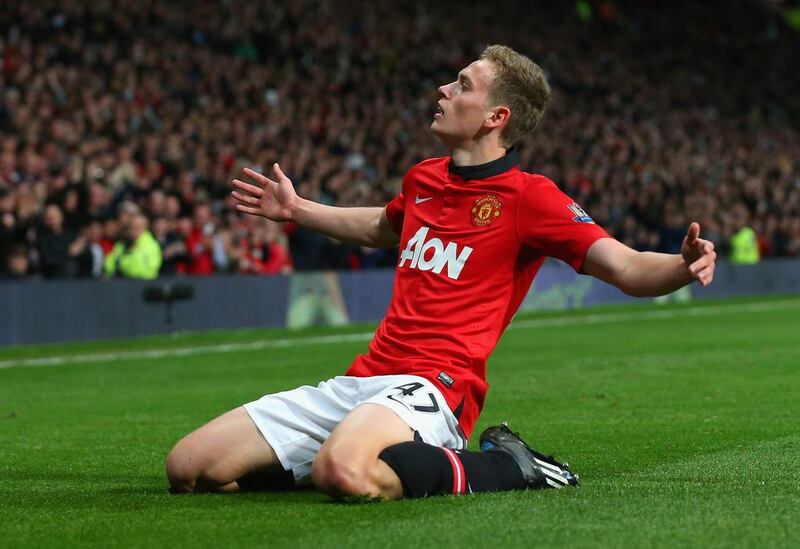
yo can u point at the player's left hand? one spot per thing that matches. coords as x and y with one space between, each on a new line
699 255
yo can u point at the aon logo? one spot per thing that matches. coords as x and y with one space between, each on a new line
433 255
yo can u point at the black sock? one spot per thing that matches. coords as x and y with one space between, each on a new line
266 481
427 470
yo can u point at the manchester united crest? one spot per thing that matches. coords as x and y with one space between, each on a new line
485 210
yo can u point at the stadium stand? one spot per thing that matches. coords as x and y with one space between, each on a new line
662 113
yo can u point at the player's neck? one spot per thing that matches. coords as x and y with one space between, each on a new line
477 153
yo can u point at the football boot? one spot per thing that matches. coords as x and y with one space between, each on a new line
538 470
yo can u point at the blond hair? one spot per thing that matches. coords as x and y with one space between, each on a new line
519 84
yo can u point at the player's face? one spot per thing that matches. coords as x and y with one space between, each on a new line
463 105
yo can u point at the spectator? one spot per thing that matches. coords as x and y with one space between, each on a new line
17 265
744 241
87 251
173 208
54 242
8 225
126 211
137 255
200 241
156 203
173 246
74 216
111 234
265 252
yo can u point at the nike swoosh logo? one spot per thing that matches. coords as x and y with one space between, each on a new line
419 200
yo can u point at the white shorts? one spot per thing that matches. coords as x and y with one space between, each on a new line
296 423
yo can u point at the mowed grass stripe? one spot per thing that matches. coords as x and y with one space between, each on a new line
139 354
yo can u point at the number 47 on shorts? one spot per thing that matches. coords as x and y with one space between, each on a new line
408 396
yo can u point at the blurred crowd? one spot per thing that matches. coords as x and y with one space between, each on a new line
122 122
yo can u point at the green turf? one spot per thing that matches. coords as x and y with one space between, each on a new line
685 432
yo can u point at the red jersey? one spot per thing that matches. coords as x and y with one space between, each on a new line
472 240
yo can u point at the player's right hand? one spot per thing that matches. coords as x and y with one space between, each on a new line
273 199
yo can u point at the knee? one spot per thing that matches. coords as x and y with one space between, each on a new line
341 477
182 470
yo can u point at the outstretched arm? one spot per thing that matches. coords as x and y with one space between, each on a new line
643 274
277 200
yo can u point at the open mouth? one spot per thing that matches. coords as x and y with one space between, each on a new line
439 110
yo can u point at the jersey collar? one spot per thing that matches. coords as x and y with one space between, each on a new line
489 169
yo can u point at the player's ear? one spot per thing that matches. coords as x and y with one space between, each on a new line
498 117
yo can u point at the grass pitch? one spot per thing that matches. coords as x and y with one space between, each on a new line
683 422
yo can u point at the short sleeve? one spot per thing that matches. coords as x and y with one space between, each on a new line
395 209
554 225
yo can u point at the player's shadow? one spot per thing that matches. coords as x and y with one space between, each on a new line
83 488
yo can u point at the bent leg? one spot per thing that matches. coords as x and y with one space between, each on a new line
215 456
348 464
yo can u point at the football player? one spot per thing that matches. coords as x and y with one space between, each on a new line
473 230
